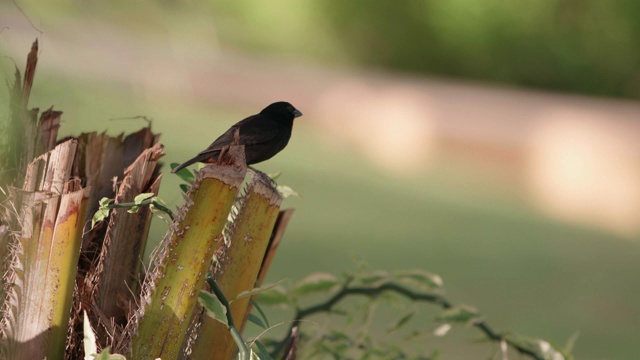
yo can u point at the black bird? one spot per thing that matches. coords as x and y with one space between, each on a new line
263 135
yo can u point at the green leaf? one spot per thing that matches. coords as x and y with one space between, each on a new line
551 352
184 188
89 340
142 197
540 347
106 355
160 213
256 291
462 314
134 209
568 347
102 212
259 310
337 335
442 330
263 353
274 176
274 297
403 320
373 279
420 278
257 320
100 215
104 202
286 191
184 174
316 283
213 307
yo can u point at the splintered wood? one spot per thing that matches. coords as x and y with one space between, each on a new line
44 254
108 278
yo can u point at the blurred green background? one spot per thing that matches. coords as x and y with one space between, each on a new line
467 213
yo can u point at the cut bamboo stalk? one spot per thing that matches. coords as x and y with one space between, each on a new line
63 265
274 242
125 240
239 264
48 130
276 237
45 258
180 272
111 255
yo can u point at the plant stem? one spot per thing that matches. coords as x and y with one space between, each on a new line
415 296
243 351
143 203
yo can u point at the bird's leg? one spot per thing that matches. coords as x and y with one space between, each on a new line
223 153
236 137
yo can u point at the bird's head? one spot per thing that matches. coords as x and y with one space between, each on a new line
282 109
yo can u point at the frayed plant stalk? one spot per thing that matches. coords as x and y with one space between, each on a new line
121 256
171 290
63 263
239 265
44 258
116 167
274 242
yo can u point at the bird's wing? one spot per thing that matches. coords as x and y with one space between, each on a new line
253 130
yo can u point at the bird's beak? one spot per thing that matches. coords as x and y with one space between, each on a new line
297 113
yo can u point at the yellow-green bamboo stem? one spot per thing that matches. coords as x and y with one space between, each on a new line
274 241
182 270
239 265
63 265
48 253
